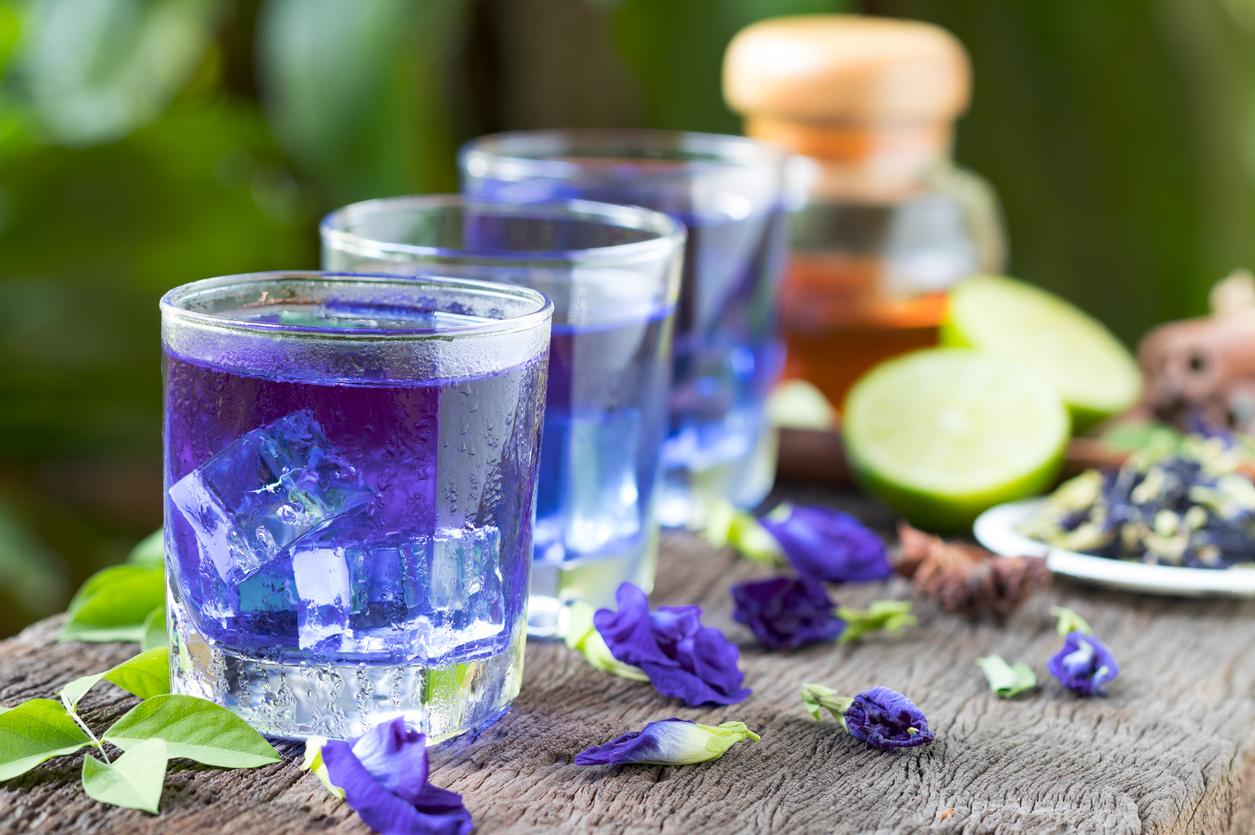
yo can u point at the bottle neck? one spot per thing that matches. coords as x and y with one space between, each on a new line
859 161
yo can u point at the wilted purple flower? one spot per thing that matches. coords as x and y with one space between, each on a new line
669 742
682 658
786 612
383 775
886 719
828 545
1084 665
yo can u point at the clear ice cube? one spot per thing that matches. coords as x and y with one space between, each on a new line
418 595
324 593
264 491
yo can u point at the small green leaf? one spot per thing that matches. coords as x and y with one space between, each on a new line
312 762
740 530
145 675
890 616
583 637
134 780
155 634
114 603
1005 679
34 732
150 551
1069 621
193 728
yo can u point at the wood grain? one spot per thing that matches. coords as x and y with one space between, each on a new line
1172 750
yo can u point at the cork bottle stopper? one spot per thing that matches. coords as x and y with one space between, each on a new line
846 86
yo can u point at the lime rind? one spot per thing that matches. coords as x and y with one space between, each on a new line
1092 370
943 434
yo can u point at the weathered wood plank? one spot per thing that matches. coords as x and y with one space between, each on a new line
1171 751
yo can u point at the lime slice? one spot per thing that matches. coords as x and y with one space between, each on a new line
943 434
1092 370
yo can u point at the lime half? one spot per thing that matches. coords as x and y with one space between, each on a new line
944 434
1096 376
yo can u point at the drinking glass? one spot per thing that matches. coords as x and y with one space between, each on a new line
350 468
613 274
730 193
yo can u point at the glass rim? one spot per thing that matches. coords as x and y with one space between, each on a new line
668 234
506 154
173 304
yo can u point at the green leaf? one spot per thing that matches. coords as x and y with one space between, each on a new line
145 675
193 728
1005 679
890 616
727 525
134 780
1069 621
114 603
151 550
34 732
155 634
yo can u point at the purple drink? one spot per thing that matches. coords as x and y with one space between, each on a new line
348 525
730 194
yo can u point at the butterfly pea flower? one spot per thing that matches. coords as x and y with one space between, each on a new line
786 612
382 775
583 637
828 545
683 659
1084 665
669 742
880 717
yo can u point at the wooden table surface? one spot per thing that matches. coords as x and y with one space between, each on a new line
1171 750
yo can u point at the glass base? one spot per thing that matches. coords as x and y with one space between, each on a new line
686 495
297 700
555 586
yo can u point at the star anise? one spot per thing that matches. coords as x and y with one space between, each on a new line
967 579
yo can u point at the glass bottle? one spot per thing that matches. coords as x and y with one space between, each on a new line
891 223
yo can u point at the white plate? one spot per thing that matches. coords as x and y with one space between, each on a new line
996 529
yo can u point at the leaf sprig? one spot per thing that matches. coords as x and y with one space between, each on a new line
124 602
162 727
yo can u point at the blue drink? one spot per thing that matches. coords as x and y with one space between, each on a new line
729 193
349 501
605 418
613 274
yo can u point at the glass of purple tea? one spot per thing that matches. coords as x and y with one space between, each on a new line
613 275
350 469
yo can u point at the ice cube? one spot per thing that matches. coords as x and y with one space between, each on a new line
466 581
323 596
265 490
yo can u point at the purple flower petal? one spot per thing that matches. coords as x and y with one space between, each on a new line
1084 665
828 545
388 789
682 658
668 742
886 719
396 756
786 612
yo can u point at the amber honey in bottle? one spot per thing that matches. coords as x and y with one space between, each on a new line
890 223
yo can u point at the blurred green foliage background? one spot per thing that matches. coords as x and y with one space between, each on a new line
146 143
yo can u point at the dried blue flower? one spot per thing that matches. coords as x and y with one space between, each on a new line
669 742
1084 665
786 612
880 717
382 775
828 545
682 658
